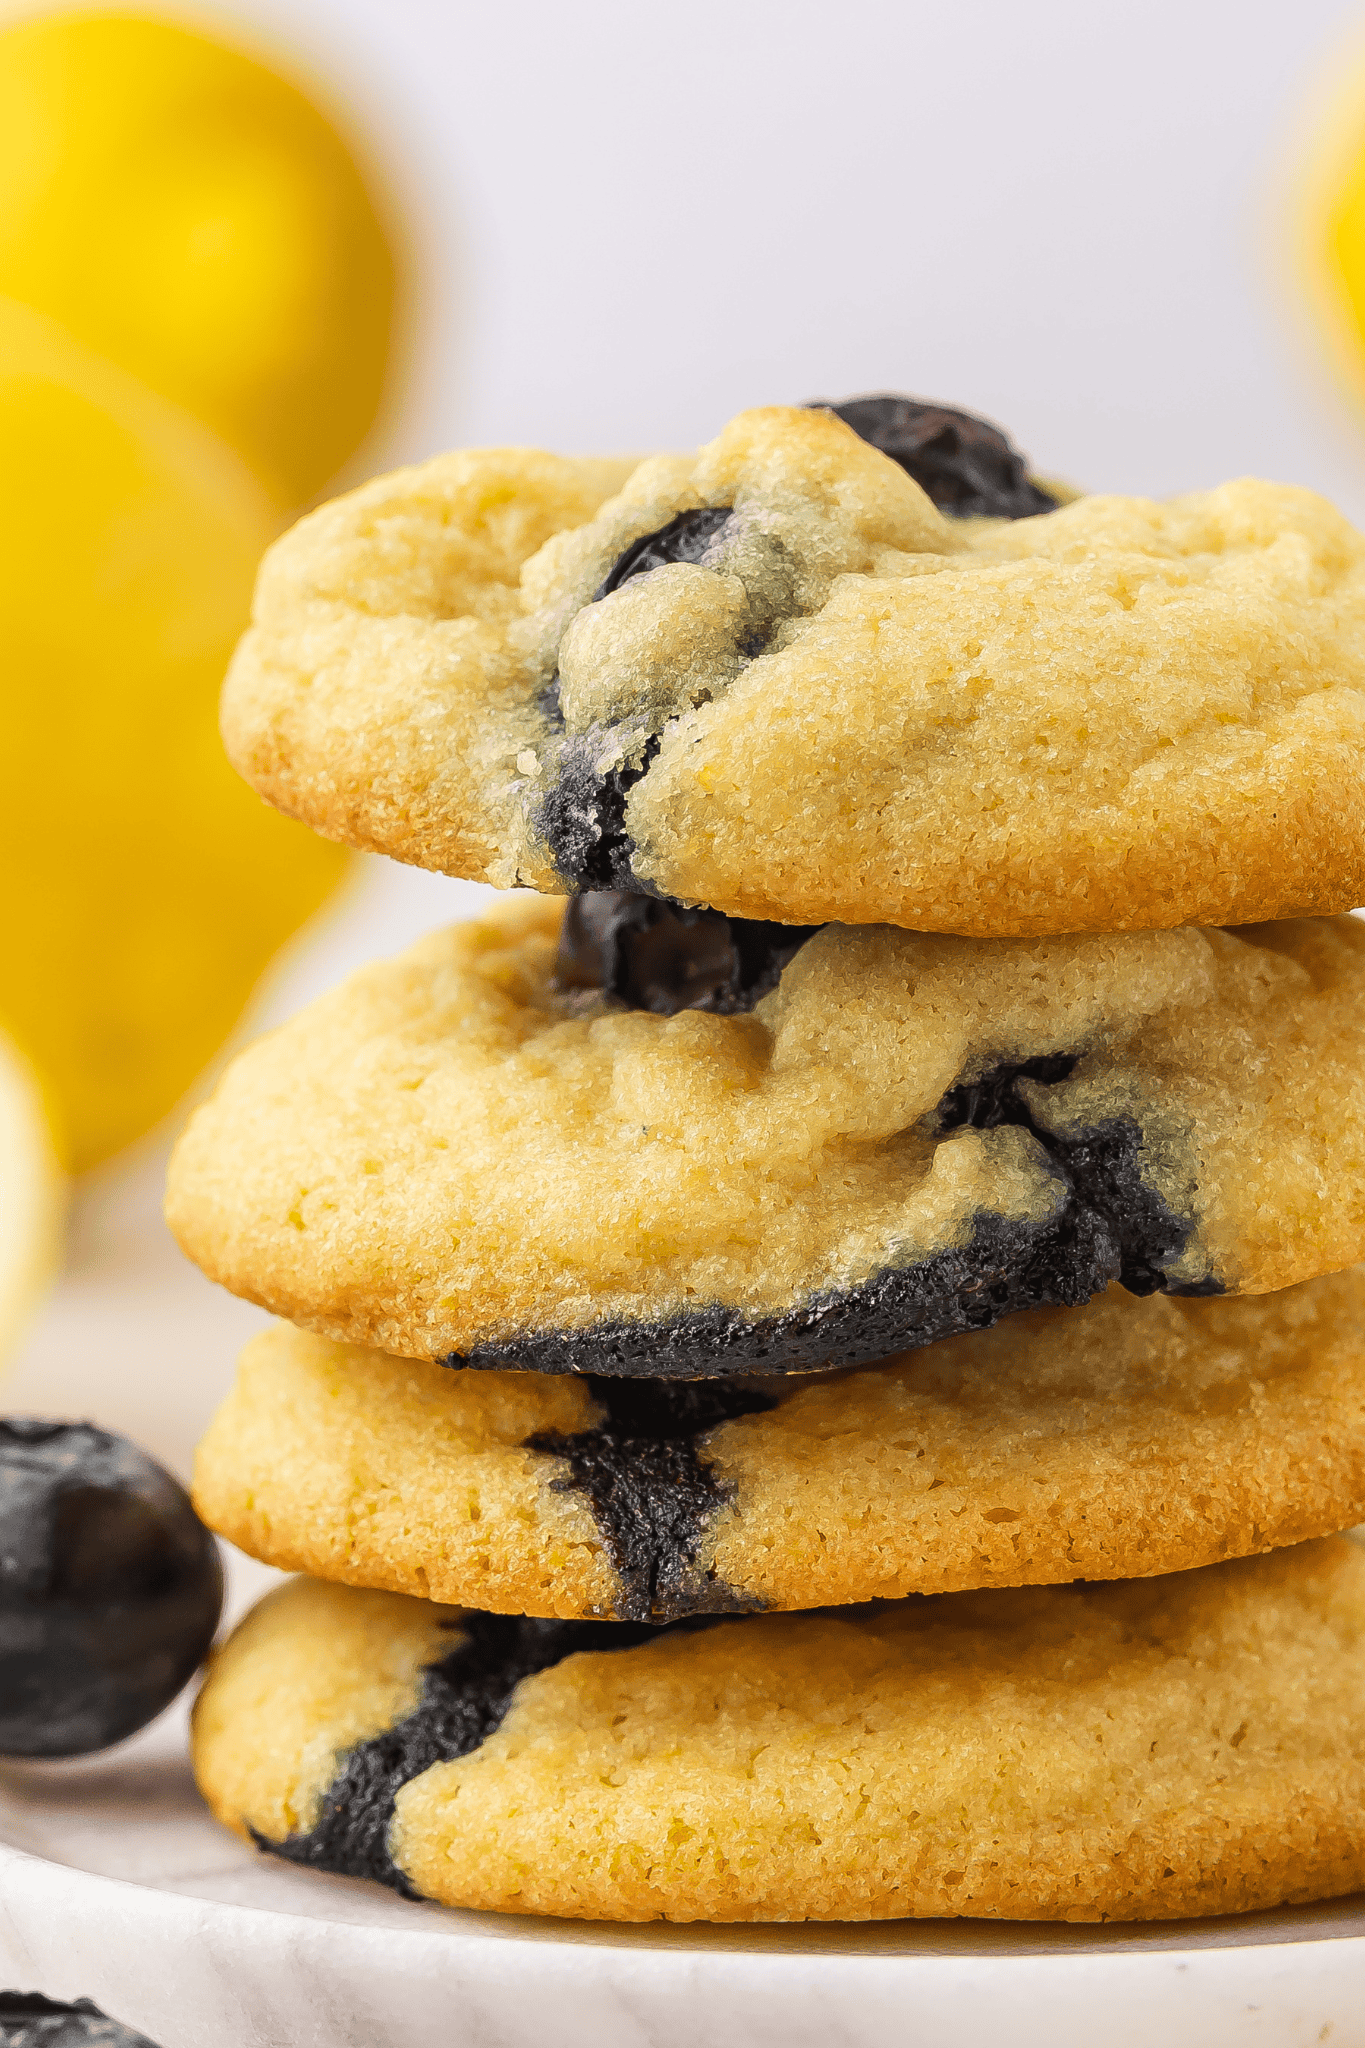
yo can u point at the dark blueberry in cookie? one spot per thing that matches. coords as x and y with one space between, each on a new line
664 957
685 539
968 467
110 1588
28 2020
993 1098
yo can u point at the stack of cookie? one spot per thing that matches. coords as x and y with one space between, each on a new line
955 872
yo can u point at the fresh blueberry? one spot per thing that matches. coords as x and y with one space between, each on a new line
110 1588
28 2020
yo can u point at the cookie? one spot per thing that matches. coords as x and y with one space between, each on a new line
454 1156
1133 1751
774 679
1117 1440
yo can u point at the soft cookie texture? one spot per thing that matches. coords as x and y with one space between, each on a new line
1117 1440
453 1156
774 678
1144 1750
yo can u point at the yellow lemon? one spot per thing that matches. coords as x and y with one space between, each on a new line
144 886
30 1197
194 218
1331 224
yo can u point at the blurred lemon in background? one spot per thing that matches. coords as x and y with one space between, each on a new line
1331 223
144 886
30 1197
193 217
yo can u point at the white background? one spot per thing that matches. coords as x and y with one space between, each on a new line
628 221
1069 214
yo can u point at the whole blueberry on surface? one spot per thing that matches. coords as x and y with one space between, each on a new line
110 1588
28 2020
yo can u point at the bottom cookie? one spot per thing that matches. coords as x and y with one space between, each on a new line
1137 1750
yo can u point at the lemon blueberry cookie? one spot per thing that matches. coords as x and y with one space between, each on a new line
465 1154
777 679
1122 1439
1138 1750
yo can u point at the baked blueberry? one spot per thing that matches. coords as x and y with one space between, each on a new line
666 957
28 2020
968 467
110 1588
685 538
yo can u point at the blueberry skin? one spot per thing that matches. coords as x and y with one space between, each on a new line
28 2020
110 1588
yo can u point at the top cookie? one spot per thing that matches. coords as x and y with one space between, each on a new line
774 678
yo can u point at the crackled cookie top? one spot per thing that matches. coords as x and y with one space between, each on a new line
455 1155
1137 1750
1121 1439
775 678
